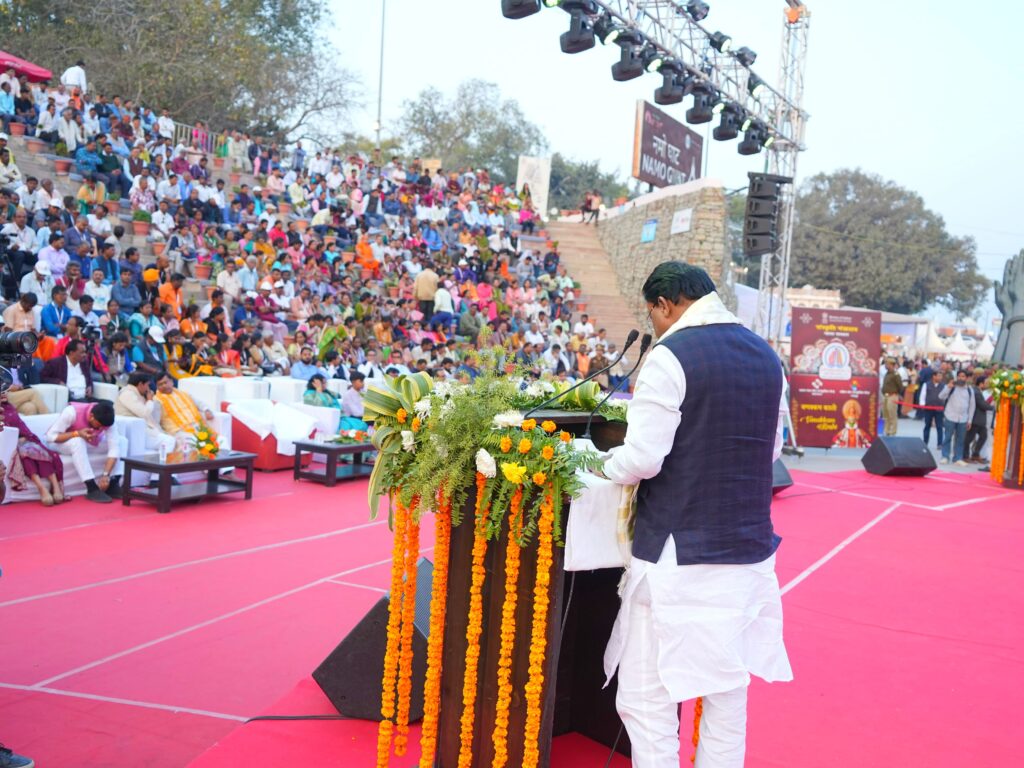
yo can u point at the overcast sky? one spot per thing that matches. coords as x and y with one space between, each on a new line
923 92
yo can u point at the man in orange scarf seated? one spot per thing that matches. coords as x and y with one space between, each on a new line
179 411
365 257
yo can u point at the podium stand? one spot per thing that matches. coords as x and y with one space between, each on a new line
573 699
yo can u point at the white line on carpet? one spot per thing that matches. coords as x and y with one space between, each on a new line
360 586
207 623
976 501
126 702
840 547
857 495
186 564
47 532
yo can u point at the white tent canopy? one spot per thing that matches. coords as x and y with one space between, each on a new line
928 341
958 349
985 349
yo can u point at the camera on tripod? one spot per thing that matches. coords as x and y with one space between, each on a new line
16 347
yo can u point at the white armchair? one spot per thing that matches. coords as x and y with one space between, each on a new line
54 395
286 390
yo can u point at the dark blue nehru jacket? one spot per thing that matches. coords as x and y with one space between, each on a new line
714 491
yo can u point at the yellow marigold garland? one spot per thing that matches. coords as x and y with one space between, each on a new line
412 553
508 631
435 641
474 627
390 681
539 632
1000 439
698 710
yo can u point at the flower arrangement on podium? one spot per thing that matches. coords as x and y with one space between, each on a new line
438 443
350 437
204 441
1007 389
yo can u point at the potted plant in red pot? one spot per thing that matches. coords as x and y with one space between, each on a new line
35 146
218 162
235 177
17 129
112 204
140 222
203 268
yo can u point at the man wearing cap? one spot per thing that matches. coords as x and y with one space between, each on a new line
148 354
270 313
39 281
892 386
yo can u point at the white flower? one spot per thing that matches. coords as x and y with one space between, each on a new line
485 464
422 407
535 390
508 419
408 440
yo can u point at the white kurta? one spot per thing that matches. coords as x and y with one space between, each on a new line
715 624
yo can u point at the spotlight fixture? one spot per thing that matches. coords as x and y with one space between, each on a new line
745 56
721 42
719 103
580 36
769 140
755 86
552 3
652 58
674 85
729 123
629 65
519 9
753 139
698 11
606 30
703 99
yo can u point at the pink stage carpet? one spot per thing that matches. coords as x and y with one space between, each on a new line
133 639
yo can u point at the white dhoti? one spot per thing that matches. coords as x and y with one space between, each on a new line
689 631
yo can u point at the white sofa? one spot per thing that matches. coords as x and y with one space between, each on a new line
131 433
284 389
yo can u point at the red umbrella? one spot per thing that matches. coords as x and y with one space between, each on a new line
32 71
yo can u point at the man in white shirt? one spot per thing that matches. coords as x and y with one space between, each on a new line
162 223
584 327
74 77
229 282
26 193
136 400
701 609
79 430
98 290
39 281
533 335
371 368
165 125
99 224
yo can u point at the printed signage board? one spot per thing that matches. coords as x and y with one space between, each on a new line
665 151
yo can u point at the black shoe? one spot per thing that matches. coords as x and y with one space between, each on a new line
98 496
10 760
114 490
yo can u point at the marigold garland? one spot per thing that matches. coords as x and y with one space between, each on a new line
435 641
412 553
525 445
539 632
1000 439
508 631
698 710
474 627
390 680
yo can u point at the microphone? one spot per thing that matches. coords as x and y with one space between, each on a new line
630 340
644 344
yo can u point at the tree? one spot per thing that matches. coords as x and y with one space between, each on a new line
570 179
247 64
878 243
475 128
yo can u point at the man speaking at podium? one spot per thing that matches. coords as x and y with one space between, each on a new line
701 609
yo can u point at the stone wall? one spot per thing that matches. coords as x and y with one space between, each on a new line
704 244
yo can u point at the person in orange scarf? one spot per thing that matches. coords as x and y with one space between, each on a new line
178 411
364 256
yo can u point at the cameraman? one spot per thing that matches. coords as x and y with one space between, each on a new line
20 244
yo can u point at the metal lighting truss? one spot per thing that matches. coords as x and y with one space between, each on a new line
782 160
666 25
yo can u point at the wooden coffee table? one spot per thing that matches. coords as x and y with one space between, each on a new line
332 471
165 494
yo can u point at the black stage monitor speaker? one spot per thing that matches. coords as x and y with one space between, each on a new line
781 479
350 676
899 457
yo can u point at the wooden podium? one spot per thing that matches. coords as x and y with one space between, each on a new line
585 602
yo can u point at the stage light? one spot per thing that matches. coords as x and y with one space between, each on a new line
606 30
652 58
753 139
745 56
719 103
519 9
698 11
552 3
755 85
769 141
580 36
721 42
629 66
729 124
673 87
703 99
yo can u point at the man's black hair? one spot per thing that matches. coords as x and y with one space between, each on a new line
675 281
137 377
103 412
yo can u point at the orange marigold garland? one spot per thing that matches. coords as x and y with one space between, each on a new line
474 627
435 641
508 631
539 632
412 553
1000 439
390 681
698 710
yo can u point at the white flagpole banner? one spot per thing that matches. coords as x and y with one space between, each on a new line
535 171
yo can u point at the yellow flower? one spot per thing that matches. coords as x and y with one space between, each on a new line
416 424
525 446
402 415
565 437
548 453
529 425
539 478
548 426
506 444
514 473
202 436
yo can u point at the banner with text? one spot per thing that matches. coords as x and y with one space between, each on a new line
665 151
834 384
535 171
